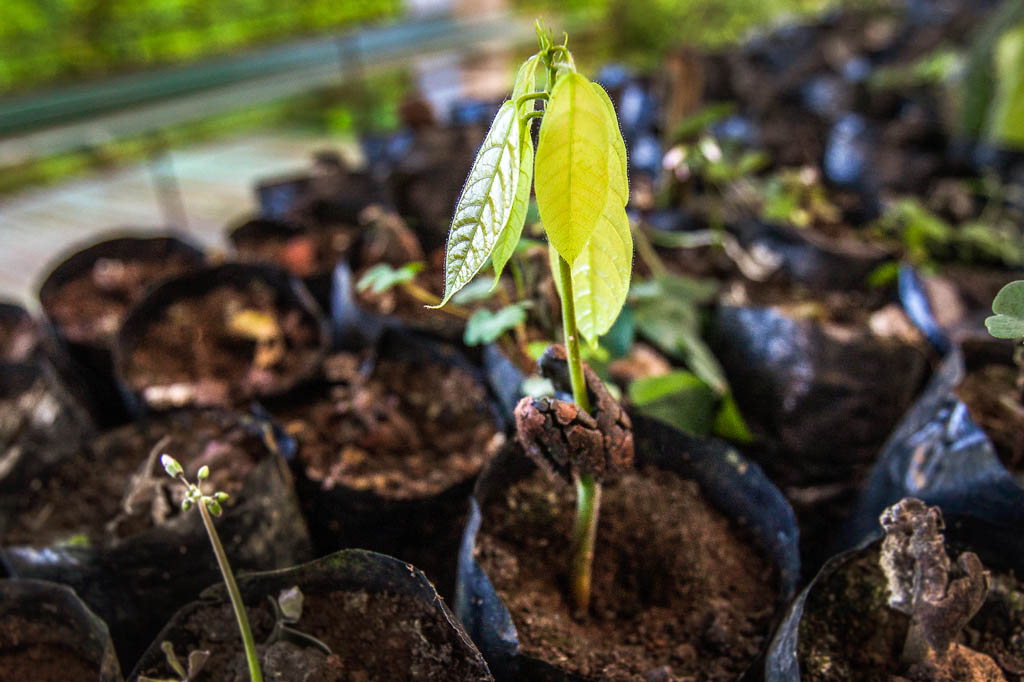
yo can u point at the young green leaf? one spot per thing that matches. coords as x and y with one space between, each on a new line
571 167
618 178
600 276
678 398
382 277
485 326
509 237
1008 306
486 202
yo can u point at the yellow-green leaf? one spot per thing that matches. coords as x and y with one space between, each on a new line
600 276
509 237
618 179
486 201
571 167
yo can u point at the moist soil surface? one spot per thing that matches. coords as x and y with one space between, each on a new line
307 253
400 429
991 395
228 344
112 473
677 593
88 309
24 659
848 632
372 636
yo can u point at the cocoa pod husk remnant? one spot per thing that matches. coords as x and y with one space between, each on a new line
564 439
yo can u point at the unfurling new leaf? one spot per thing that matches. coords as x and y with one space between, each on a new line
486 202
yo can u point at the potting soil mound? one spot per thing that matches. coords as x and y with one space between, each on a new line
677 593
89 308
110 477
23 658
406 430
228 344
372 636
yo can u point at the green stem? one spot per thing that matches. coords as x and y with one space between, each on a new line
588 491
255 674
584 535
572 338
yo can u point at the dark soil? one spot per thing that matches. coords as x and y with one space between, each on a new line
112 472
403 431
678 594
372 636
88 309
24 659
304 254
848 631
993 399
209 345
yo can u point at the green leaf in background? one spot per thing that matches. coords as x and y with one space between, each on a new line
382 277
1008 306
571 167
667 316
480 289
729 423
486 202
678 398
485 327
1006 115
509 238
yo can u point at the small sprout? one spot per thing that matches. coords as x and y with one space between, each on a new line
196 661
287 612
939 598
210 505
171 466
1008 306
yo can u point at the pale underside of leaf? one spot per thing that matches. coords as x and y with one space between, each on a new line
526 79
509 237
486 201
571 166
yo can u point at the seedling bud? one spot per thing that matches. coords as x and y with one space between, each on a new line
186 504
214 507
171 466
221 497
203 473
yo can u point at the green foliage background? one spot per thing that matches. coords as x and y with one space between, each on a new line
47 41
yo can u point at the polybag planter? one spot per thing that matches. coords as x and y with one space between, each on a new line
425 525
804 385
982 530
189 390
135 582
348 571
42 423
50 621
93 352
734 486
